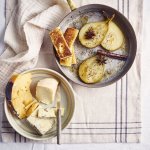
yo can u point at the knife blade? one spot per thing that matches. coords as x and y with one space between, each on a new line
58 97
58 103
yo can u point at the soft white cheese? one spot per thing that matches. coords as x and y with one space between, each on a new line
46 90
49 112
46 113
41 125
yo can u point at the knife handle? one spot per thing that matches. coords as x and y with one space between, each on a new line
71 5
58 125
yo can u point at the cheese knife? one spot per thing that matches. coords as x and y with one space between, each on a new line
58 103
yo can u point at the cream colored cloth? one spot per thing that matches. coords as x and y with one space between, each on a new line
24 35
110 114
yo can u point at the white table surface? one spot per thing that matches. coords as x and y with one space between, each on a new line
145 97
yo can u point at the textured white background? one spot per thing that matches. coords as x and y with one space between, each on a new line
145 145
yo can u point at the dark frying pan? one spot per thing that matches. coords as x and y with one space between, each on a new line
115 69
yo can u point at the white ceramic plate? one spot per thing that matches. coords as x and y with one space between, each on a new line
67 101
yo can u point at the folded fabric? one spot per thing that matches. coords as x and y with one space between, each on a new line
24 35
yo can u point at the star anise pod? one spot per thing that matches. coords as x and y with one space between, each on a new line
90 33
101 60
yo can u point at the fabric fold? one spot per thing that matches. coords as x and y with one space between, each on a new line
24 35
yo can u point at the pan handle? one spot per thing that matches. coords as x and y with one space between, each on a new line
71 5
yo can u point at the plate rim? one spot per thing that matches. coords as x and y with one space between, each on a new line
6 109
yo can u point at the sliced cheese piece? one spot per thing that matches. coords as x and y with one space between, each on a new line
41 125
30 104
21 95
32 108
19 108
46 90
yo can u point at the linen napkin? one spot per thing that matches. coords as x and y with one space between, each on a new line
109 114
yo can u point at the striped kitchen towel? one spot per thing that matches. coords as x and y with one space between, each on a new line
109 114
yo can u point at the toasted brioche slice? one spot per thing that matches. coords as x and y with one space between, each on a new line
70 37
60 43
66 62
70 60
74 61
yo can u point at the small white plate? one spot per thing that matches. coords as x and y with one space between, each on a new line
67 101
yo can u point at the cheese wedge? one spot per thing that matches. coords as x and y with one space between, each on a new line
21 95
46 113
49 112
70 37
60 43
46 90
41 125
